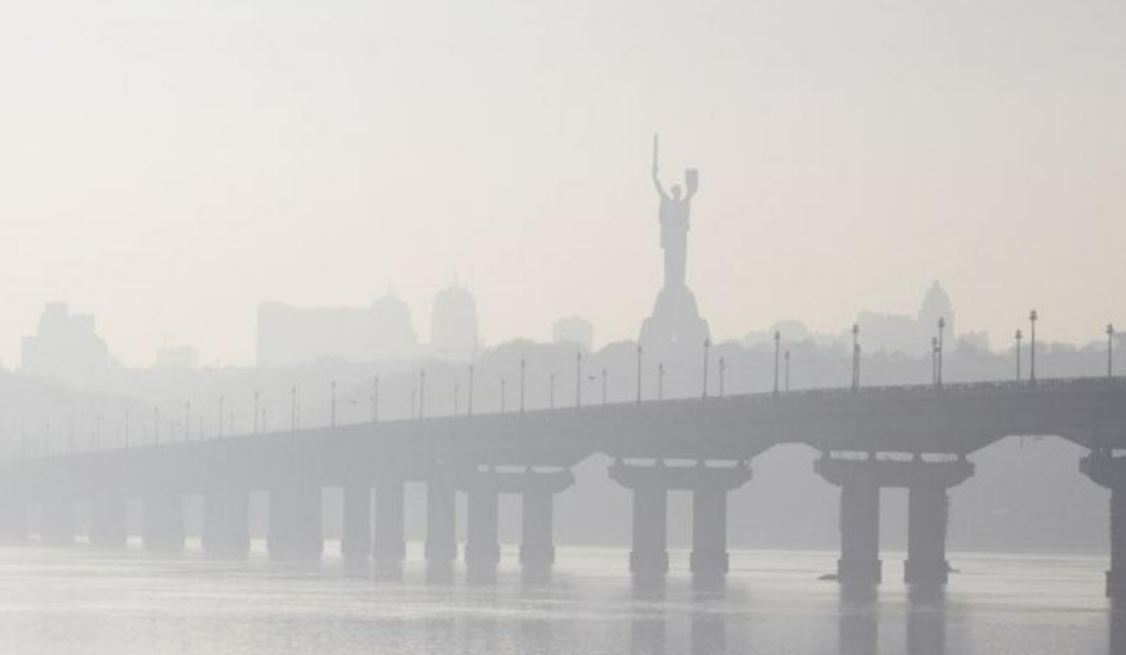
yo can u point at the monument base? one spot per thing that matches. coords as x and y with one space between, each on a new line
675 323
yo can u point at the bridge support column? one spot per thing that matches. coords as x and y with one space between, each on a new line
163 529
537 525
537 543
441 525
926 536
295 530
107 521
860 480
355 538
860 534
56 522
226 523
482 552
390 540
1109 471
13 518
709 531
650 485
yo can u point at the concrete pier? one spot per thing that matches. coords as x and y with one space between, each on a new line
926 536
441 525
390 530
108 521
861 477
226 523
13 518
651 484
56 522
538 490
295 531
482 551
859 562
163 524
1109 471
355 537
537 524
537 538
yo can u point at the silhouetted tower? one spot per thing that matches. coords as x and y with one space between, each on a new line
1032 318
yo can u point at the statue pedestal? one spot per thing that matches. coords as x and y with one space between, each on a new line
675 324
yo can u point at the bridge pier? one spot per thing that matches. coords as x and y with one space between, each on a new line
861 481
482 552
163 529
1109 471
926 536
13 518
650 485
56 522
355 538
537 547
537 522
107 521
390 531
441 526
295 531
226 523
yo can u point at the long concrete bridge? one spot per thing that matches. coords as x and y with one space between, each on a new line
916 438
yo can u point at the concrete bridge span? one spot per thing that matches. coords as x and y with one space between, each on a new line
916 438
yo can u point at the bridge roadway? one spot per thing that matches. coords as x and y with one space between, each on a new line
911 437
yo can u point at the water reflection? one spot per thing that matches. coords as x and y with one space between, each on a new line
926 621
1116 620
647 628
859 622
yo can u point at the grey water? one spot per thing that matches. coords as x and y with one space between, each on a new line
78 600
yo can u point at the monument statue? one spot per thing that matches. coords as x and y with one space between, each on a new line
675 323
674 214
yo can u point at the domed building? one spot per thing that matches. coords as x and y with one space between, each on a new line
453 322
936 305
392 328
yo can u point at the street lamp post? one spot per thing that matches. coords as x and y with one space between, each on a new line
855 357
707 348
777 358
661 381
469 401
1032 318
1110 350
722 374
1018 337
934 361
787 357
941 345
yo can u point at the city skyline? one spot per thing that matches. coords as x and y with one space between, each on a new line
852 155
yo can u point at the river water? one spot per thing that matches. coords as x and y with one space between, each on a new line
77 600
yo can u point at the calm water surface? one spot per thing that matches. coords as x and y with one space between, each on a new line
55 601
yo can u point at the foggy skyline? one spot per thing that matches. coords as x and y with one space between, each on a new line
168 167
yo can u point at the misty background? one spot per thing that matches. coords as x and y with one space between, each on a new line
169 165
190 172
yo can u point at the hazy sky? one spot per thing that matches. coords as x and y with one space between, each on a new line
169 164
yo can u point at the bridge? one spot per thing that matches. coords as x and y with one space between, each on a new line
917 438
